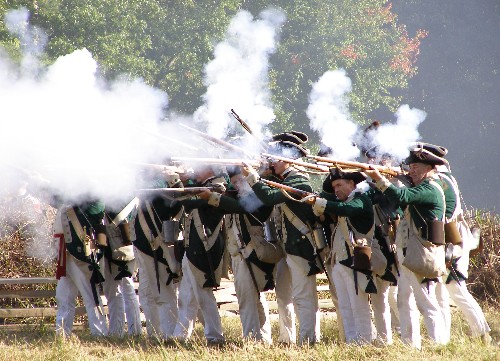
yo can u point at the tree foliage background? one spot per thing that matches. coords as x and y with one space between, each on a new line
167 43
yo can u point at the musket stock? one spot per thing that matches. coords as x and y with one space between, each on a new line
289 189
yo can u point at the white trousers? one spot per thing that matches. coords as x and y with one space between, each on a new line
469 307
253 307
122 302
335 300
305 301
354 308
382 310
77 279
393 302
160 306
413 297
192 296
286 311
443 298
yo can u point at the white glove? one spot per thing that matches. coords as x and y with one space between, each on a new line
319 206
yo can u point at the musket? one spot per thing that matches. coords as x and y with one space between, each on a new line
171 140
160 167
299 192
223 161
180 190
363 166
299 163
242 122
248 129
216 140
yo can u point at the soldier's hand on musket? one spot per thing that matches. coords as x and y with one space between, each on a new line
373 173
247 169
205 194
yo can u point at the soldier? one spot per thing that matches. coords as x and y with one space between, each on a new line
386 218
459 241
202 263
422 224
159 270
354 229
297 219
78 269
118 265
249 251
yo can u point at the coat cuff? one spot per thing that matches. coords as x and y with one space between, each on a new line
214 199
319 206
383 184
252 179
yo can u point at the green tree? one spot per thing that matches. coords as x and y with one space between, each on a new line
164 42
167 43
362 37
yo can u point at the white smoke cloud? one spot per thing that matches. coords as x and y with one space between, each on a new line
32 38
78 132
395 139
329 114
237 77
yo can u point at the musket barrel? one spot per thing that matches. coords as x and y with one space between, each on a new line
216 140
160 167
297 162
222 161
177 190
352 164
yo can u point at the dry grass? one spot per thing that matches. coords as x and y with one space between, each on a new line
42 345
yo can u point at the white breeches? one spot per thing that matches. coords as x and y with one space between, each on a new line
77 279
413 297
191 296
382 310
354 308
469 307
160 306
286 311
253 307
305 301
122 301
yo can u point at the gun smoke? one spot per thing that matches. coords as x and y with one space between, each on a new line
329 114
237 77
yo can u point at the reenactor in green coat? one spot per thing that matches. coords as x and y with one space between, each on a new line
78 268
159 270
297 220
119 266
202 262
253 257
459 242
422 226
353 232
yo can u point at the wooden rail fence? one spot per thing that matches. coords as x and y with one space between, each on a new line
225 296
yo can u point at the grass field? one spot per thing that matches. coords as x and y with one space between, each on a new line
40 343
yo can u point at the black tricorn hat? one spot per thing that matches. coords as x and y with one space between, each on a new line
427 154
324 150
327 184
369 150
336 173
291 136
287 149
438 150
